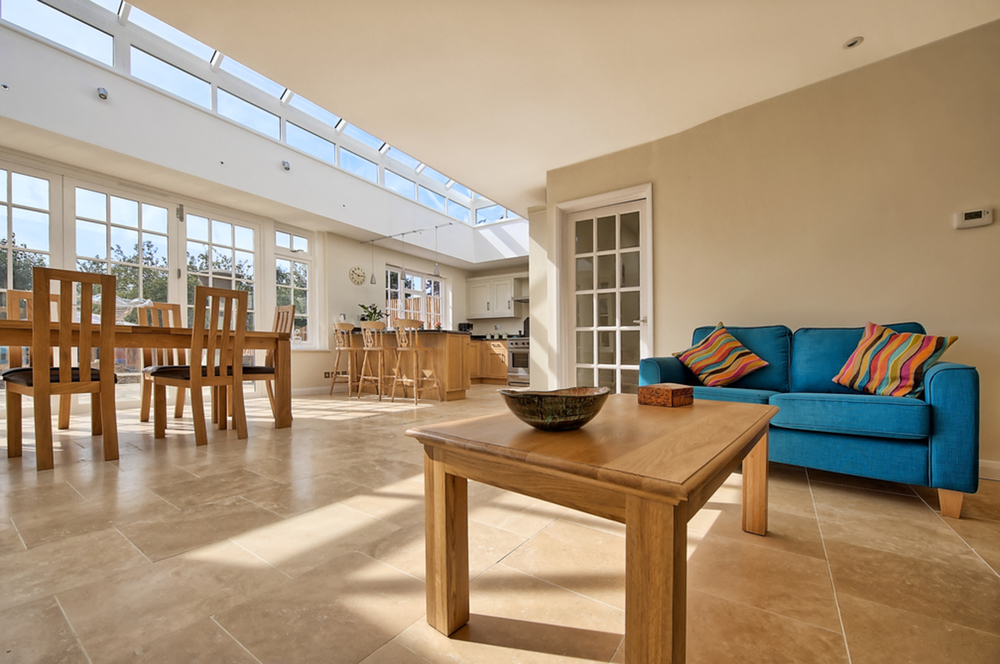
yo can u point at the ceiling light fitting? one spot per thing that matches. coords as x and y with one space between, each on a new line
853 42
4 86
384 148
102 93
285 165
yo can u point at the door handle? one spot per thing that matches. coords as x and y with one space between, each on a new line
641 321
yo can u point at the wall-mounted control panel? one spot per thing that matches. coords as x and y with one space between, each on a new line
973 218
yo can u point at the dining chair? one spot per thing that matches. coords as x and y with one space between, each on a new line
408 345
216 361
161 314
343 339
372 370
42 380
15 300
284 318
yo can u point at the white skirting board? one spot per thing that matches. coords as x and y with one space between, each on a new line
989 470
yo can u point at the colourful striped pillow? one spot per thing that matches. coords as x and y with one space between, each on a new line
720 359
892 364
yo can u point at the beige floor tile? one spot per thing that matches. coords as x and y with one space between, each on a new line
590 521
30 501
10 541
404 549
985 503
196 526
304 494
38 632
58 566
212 487
586 561
787 584
393 653
340 612
303 542
891 522
878 634
142 605
785 532
982 535
377 473
401 503
204 642
519 514
787 492
825 477
965 591
519 618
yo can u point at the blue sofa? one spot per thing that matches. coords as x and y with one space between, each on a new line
930 441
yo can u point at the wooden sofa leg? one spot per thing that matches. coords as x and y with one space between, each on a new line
951 503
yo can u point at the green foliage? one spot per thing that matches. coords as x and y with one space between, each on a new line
371 312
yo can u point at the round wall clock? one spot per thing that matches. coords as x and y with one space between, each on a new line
357 275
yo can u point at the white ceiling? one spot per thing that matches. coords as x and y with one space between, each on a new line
495 94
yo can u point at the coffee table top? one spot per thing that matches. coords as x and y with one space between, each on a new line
664 451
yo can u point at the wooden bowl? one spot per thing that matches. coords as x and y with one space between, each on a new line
557 410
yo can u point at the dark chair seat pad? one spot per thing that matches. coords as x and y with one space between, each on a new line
256 370
179 372
25 376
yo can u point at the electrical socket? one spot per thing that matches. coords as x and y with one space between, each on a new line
326 374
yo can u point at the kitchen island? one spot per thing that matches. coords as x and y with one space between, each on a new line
451 350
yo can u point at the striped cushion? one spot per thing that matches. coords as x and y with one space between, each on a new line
892 364
720 359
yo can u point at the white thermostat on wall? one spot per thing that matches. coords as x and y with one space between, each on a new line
973 218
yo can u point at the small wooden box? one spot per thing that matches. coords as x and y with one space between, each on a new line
670 395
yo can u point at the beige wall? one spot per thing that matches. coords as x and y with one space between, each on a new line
830 205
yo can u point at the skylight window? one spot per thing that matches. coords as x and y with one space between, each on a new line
360 166
309 142
434 175
486 215
432 200
248 75
363 136
400 185
170 34
111 5
459 212
462 189
60 28
249 115
314 111
167 77
403 158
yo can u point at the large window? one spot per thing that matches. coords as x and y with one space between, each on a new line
220 254
24 235
414 296
291 279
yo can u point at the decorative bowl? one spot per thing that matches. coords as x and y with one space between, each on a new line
557 410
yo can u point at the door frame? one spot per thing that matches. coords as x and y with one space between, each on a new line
565 289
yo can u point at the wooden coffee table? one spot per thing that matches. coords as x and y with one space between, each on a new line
648 467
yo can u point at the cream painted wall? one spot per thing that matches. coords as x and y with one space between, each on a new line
830 205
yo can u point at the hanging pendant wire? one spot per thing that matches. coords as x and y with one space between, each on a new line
373 262
437 269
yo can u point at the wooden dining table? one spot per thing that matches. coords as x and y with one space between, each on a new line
18 333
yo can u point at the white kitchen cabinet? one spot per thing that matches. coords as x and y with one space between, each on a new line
490 297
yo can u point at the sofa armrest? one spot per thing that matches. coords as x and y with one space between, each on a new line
653 370
952 390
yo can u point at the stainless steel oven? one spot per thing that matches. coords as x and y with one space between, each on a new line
517 363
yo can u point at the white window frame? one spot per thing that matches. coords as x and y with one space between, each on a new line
309 258
445 297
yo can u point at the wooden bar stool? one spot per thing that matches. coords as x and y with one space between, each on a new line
343 339
408 343
372 369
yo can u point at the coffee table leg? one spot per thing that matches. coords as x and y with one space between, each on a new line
446 520
755 489
655 582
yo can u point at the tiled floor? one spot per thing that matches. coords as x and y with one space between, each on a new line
306 545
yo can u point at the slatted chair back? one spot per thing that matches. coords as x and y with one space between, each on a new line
223 313
343 338
15 300
406 333
371 332
162 314
284 319
100 337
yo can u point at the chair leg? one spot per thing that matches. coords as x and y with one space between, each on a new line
951 503
147 398
333 378
198 415
222 405
159 410
179 403
96 426
214 391
239 412
416 377
109 423
269 385
65 404
395 379
13 424
43 432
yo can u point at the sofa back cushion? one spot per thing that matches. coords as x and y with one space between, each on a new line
820 354
771 343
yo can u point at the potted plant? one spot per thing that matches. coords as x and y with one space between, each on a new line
371 312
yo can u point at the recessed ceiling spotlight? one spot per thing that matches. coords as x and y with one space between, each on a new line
853 42
4 86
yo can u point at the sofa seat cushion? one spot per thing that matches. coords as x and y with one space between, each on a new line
853 414
737 394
